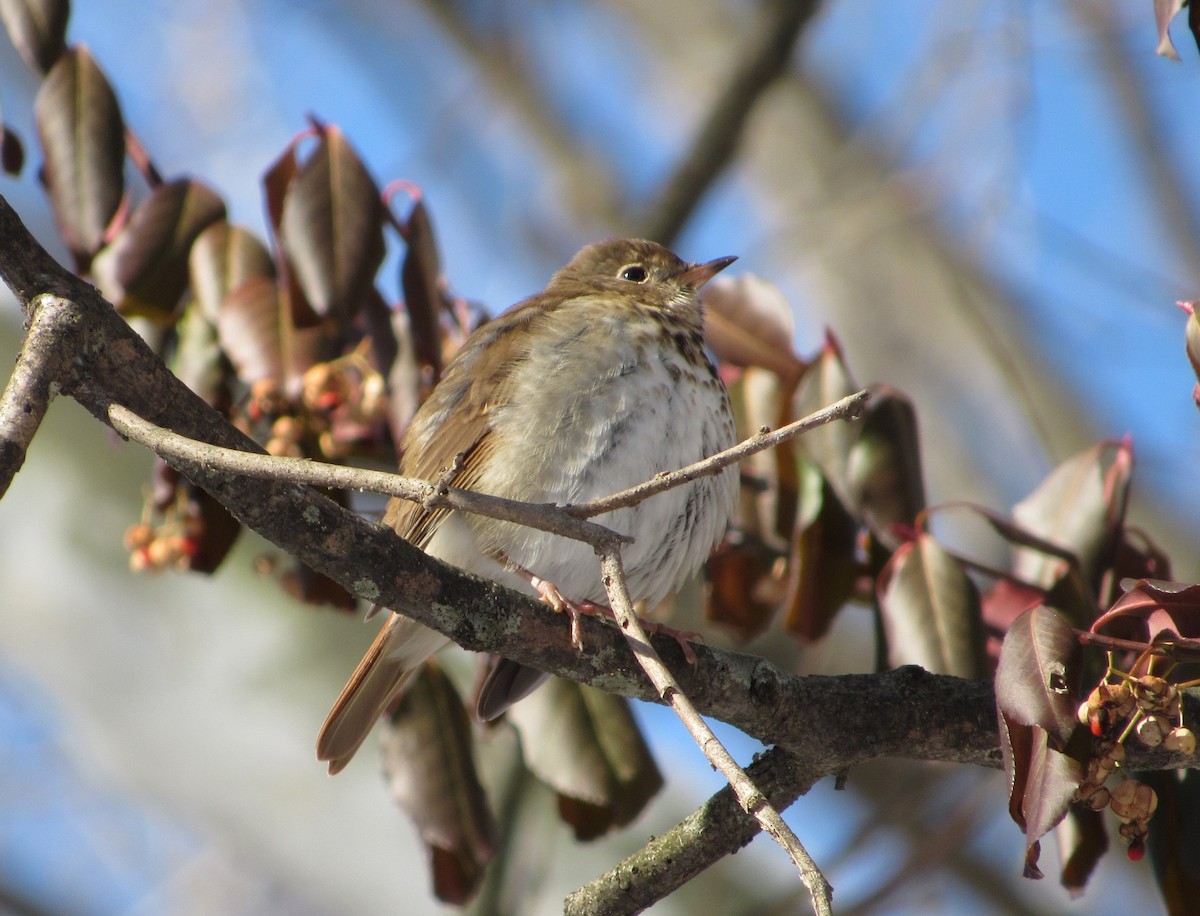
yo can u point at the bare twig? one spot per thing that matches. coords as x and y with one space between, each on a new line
752 801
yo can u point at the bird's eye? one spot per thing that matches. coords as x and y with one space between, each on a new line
634 273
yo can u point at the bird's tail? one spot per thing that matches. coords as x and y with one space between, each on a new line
397 652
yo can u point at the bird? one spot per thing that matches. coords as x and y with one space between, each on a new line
593 385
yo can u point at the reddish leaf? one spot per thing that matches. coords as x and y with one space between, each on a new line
824 565
1036 700
1082 841
222 258
736 574
144 271
883 468
585 745
305 584
38 30
748 322
331 227
1192 340
248 325
83 139
931 611
420 278
1080 506
430 768
1160 609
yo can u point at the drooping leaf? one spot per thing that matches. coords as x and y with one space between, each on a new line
197 360
1192 337
585 745
430 768
1036 699
748 322
248 325
144 271
38 30
222 258
420 277
883 467
826 380
1156 610
931 611
1080 506
1082 841
736 573
83 140
824 565
331 227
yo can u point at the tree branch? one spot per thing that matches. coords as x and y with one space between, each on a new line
26 398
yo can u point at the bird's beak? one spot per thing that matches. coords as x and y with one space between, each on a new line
697 275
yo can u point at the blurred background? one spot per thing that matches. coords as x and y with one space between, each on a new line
992 203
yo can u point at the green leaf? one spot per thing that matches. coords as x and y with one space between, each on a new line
931 611
83 139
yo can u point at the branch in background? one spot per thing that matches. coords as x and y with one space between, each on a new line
763 60
26 398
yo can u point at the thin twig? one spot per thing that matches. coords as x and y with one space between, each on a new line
848 408
753 801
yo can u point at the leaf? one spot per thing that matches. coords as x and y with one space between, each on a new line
1082 841
248 326
736 573
1036 698
83 139
430 769
331 228
1161 610
585 745
826 380
38 30
420 278
222 258
883 467
1192 339
12 151
748 322
931 611
1080 507
144 271
197 360
824 565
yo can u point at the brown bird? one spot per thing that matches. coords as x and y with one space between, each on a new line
591 386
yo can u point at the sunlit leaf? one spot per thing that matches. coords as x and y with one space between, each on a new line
222 258
249 328
144 271
585 745
1080 506
826 380
748 322
1158 609
1164 12
420 277
83 139
931 611
430 768
38 30
883 467
331 227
